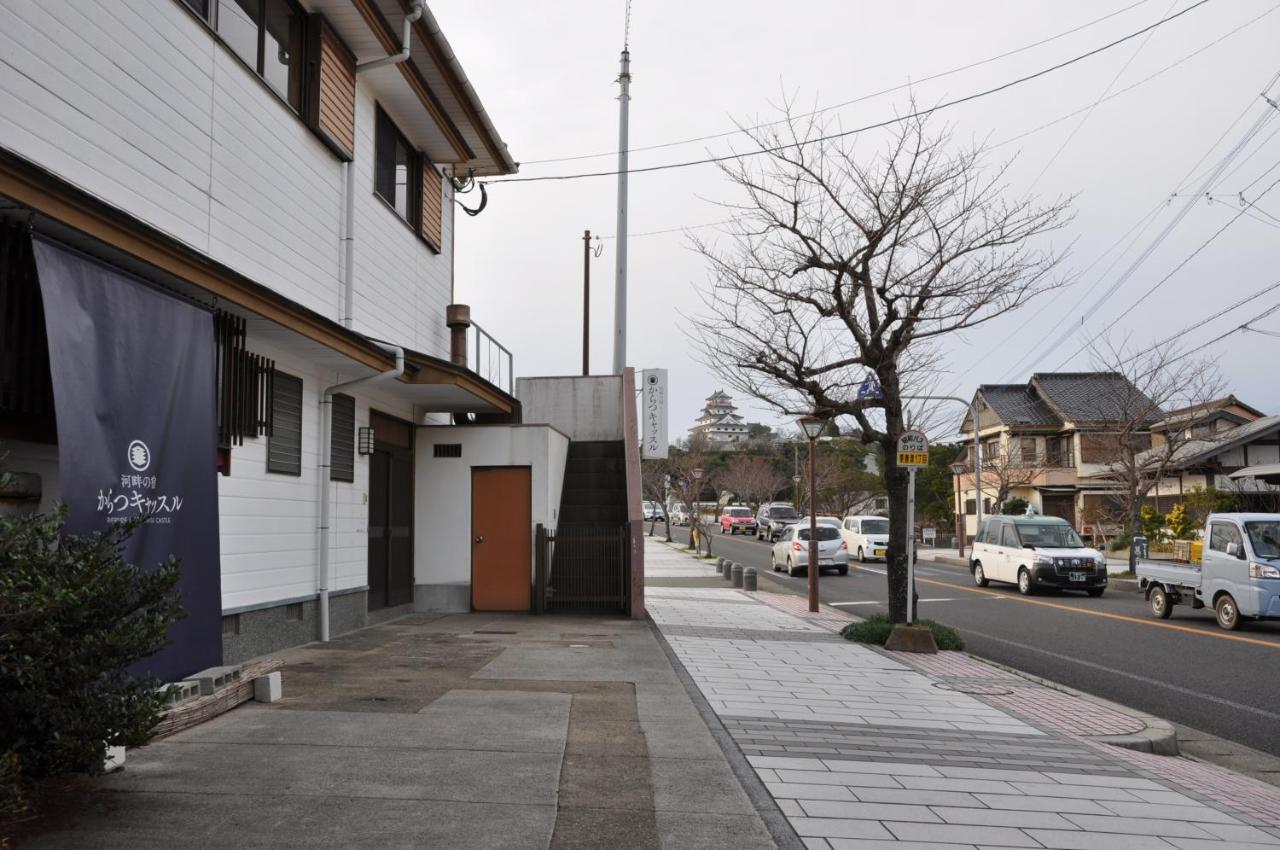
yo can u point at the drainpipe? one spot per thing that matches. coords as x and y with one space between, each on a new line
348 243
326 441
396 58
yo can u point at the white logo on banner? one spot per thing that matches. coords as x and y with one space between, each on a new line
139 455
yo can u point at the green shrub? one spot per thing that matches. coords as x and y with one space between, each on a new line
74 615
1015 506
876 629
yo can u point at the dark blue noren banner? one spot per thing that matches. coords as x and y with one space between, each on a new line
133 387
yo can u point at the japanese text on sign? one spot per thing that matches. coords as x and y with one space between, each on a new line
913 449
653 413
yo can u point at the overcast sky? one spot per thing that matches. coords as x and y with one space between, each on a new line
545 72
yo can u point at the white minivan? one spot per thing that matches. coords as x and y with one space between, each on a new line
1036 552
866 536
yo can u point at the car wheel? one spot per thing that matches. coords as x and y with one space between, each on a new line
791 567
862 556
844 571
722 529
979 577
1159 599
1095 592
1228 613
1024 582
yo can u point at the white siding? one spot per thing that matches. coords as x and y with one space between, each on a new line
135 103
268 522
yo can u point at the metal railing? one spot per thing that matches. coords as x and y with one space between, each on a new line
491 359
582 569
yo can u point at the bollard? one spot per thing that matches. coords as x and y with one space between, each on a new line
737 575
749 578
727 571
720 565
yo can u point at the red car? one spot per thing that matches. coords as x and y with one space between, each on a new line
738 518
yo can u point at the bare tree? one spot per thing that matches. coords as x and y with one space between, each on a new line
1007 469
654 482
688 489
844 486
845 269
1156 381
752 479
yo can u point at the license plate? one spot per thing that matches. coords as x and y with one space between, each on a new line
879 553
825 562
1077 576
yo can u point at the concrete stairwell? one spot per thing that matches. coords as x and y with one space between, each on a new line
589 566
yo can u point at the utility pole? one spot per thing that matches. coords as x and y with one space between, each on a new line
586 303
620 281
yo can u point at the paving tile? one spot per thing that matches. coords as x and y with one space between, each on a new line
797 791
991 773
1109 781
850 780
1240 834
917 796
1199 814
1079 792
994 836
1024 803
1002 817
1216 844
867 811
891 768
1137 826
1055 839
839 828
983 786
872 844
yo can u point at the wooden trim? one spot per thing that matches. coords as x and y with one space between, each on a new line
391 44
431 204
330 97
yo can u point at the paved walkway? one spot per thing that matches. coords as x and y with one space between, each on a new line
864 748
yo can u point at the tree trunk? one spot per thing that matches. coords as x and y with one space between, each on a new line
1135 529
667 521
895 479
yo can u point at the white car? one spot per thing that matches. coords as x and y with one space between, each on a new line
791 552
652 511
1036 552
678 514
867 536
822 520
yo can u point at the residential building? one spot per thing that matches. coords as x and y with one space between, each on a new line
1044 442
720 426
289 170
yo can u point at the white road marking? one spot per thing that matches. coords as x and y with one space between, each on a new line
864 602
936 600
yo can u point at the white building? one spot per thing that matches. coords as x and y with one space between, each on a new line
720 425
296 173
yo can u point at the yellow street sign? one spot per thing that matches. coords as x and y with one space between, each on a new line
913 449
913 458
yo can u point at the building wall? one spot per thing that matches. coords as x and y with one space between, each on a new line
580 407
442 505
135 103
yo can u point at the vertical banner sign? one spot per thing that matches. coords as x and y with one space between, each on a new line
133 390
654 413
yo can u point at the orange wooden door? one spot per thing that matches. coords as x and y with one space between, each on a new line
501 538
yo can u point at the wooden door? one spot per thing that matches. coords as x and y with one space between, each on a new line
501 538
390 513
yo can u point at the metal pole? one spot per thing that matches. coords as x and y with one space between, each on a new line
977 446
620 281
813 533
960 541
586 303
911 544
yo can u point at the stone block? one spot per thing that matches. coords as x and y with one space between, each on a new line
268 688
906 638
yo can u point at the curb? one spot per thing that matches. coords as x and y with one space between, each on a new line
1158 738
1126 585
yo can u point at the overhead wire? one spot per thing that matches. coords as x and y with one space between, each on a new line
919 113
861 98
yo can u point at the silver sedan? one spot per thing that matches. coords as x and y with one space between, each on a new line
792 551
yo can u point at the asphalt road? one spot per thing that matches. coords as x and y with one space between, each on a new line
1184 669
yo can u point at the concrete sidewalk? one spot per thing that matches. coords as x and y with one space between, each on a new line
468 731
865 748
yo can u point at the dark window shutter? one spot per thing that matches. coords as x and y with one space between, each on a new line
342 439
284 446
384 158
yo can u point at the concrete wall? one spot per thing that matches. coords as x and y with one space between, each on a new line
587 408
38 459
442 500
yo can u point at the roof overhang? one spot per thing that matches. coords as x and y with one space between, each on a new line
72 215
1268 473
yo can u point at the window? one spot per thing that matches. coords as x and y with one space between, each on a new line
284 446
1027 449
267 35
1009 536
396 170
1222 533
342 439
970 507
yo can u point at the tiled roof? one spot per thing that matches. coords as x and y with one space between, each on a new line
1093 396
1017 404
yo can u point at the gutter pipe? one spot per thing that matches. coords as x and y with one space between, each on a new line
326 441
403 55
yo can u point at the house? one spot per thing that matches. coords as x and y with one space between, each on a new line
226 295
719 426
1045 442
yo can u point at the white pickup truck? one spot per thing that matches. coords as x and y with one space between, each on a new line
1238 575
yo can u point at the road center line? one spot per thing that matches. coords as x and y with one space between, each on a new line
864 602
1110 616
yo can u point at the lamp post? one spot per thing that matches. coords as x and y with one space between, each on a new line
812 427
958 469
696 515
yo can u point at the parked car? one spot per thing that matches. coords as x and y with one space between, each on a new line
867 536
679 515
773 519
822 520
737 518
652 511
1238 574
1036 552
792 551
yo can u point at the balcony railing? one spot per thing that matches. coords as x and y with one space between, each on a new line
490 359
1041 460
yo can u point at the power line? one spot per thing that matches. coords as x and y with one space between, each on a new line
859 99
1202 322
920 113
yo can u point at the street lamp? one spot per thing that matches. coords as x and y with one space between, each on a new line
813 428
695 515
958 469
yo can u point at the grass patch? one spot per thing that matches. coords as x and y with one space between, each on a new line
1125 574
876 628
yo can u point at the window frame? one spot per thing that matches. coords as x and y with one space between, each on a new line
1230 528
383 122
349 448
285 381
